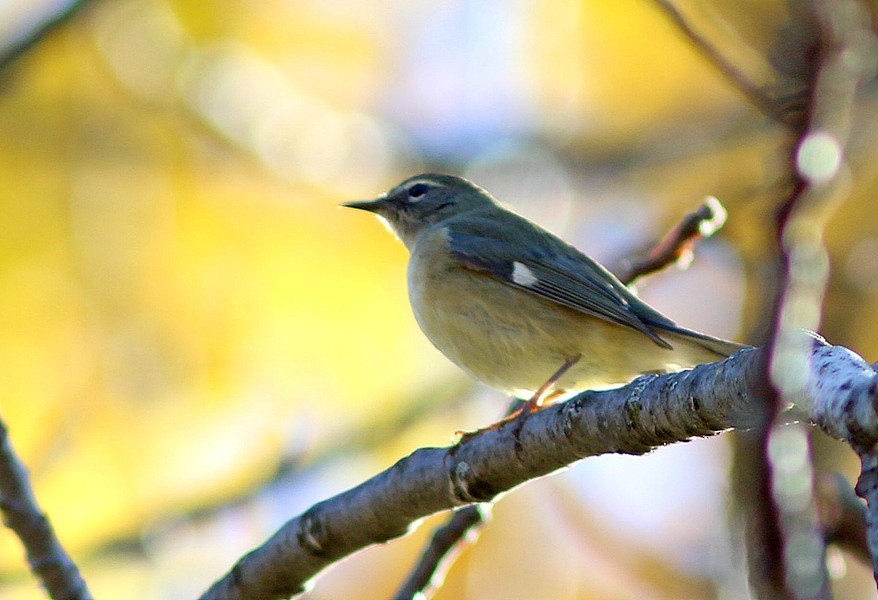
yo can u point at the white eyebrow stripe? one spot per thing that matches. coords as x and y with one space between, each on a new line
424 181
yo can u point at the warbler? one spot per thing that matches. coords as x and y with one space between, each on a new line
518 308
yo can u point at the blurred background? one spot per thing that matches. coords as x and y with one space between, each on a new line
196 343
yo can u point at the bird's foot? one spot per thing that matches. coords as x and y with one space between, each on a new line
540 399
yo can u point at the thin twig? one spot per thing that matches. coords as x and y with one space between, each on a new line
48 560
676 247
447 542
756 96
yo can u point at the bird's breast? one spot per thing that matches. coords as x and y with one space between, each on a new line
503 336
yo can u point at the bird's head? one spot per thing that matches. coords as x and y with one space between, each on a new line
422 201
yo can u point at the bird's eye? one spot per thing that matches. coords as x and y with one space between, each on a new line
418 190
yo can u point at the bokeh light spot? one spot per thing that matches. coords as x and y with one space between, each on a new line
819 157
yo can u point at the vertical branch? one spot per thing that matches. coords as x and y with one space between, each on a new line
754 506
827 49
817 160
867 489
45 555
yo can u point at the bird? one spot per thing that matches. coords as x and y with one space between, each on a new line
518 308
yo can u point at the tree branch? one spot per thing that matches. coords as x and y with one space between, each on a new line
842 515
676 247
842 62
753 93
45 555
463 527
54 17
651 411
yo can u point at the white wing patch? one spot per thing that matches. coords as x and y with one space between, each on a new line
522 275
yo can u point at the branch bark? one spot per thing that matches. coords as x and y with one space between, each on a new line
651 411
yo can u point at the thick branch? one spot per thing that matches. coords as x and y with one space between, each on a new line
651 411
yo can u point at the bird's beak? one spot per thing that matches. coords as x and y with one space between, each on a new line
374 205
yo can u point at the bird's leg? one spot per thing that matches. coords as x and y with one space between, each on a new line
539 400
536 403
542 394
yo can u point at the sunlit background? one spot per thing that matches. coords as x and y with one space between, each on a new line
196 343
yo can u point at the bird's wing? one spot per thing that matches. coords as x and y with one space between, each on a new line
544 265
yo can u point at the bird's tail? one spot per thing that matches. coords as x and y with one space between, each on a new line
719 347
